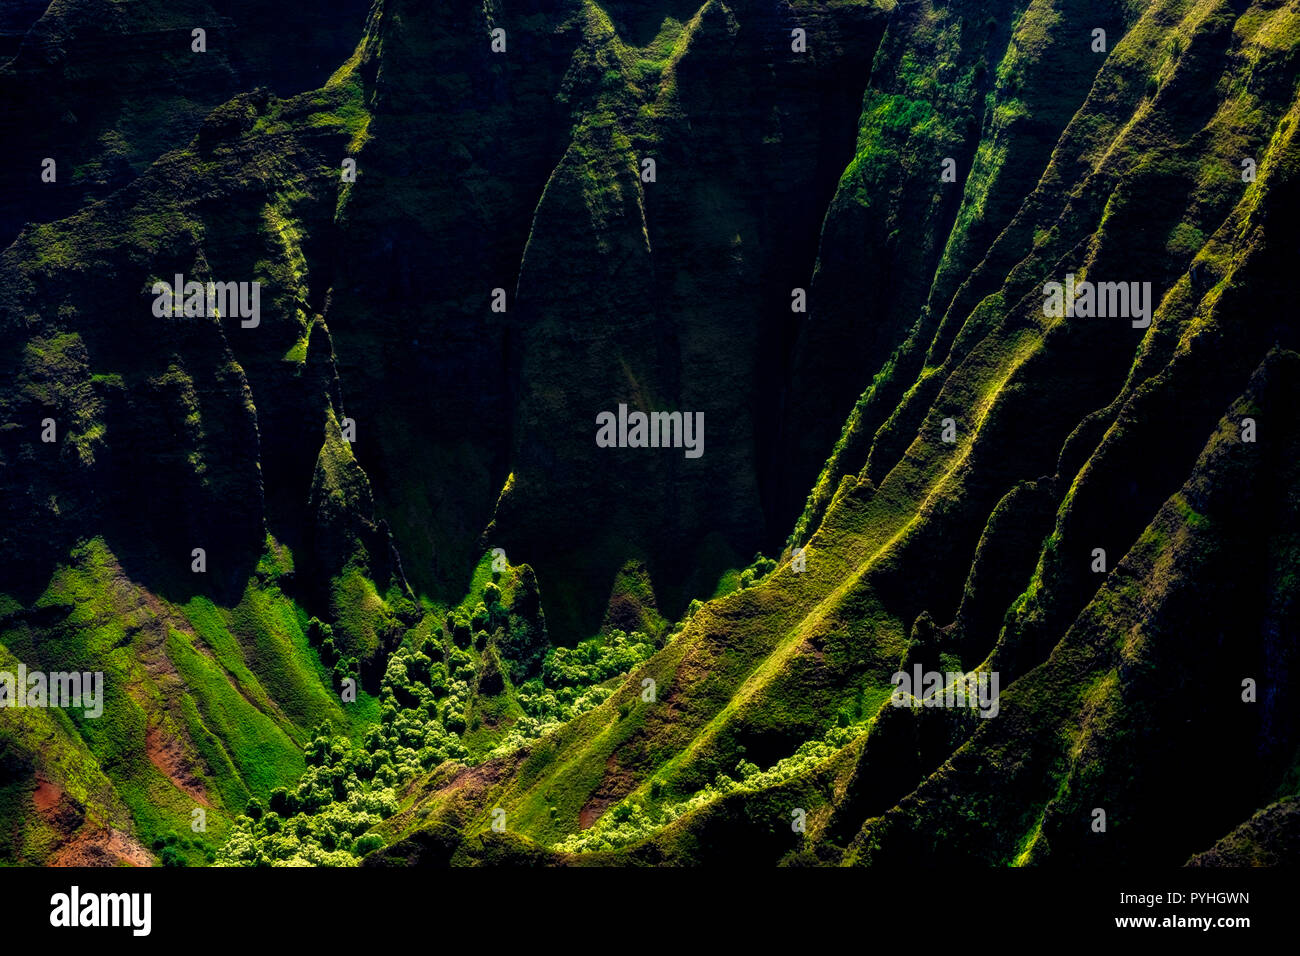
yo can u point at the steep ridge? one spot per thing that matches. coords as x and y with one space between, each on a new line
1090 418
457 148
536 154
103 89
674 295
347 463
168 431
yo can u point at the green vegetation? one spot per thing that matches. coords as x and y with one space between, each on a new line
435 691
351 669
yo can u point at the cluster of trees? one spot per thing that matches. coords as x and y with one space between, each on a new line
425 693
322 821
517 633
321 637
636 818
423 699
573 681
596 660
758 569
170 849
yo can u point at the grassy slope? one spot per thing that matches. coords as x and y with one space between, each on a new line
211 686
771 699
203 706
754 673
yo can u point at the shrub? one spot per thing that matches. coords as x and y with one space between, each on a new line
479 619
491 681
461 633
367 843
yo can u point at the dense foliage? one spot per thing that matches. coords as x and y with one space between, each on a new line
427 699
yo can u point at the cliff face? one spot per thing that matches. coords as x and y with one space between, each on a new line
623 206
1070 435
676 295
523 172
152 537
106 88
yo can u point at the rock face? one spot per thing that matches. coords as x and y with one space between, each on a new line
676 295
105 88
827 227
671 295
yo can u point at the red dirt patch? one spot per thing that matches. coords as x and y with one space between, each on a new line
593 811
46 796
85 845
614 786
167 754
101 848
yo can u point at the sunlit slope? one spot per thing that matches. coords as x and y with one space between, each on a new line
1100 510
173 437
1072 434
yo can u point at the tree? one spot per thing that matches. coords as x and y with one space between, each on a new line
491 681
282 802
461 633
172 857
367 843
